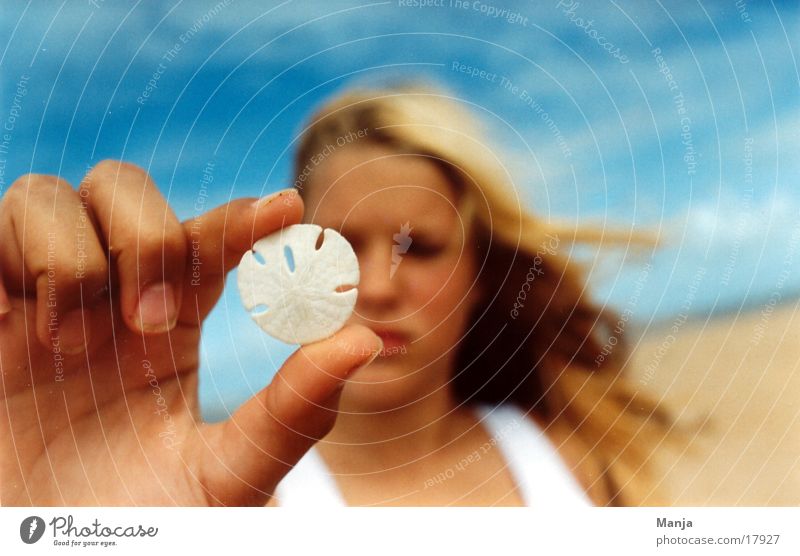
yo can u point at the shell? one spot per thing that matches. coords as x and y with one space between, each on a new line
302 305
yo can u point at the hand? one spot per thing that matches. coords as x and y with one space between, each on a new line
102 296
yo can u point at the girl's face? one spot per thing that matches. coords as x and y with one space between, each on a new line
418 271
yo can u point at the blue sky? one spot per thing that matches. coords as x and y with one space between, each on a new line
715 170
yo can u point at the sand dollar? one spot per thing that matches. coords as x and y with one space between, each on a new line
294 292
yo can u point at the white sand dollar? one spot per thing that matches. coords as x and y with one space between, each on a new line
302 304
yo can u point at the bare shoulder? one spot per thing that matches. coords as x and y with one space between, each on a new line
575 453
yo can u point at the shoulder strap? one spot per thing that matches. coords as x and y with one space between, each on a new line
309 483
542 476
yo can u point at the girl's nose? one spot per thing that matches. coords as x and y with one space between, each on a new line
378 285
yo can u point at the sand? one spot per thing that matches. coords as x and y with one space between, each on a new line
737 377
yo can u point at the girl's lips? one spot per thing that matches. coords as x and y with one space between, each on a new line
392 339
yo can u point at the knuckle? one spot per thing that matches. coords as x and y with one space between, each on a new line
169 242
113 167
94 273
272 403
37 186
278 409
110 172
175 244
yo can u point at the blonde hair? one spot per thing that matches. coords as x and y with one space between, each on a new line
545 338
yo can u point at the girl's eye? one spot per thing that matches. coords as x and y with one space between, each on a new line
424 249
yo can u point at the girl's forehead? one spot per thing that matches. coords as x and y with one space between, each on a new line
376 184
386 209
369 167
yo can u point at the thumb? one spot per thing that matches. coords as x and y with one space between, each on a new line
250 453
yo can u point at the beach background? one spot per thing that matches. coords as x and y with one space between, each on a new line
735 379
681 118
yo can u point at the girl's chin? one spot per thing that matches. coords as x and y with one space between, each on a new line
381 369
379 390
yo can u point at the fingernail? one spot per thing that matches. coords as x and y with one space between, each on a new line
157 310
5 304
264 201
378 346
71 332
377 351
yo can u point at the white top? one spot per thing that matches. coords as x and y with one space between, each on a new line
541 475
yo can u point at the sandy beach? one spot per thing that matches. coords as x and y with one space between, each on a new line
738 377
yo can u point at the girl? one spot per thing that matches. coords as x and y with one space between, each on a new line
495 385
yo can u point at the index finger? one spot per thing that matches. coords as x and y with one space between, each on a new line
217 240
